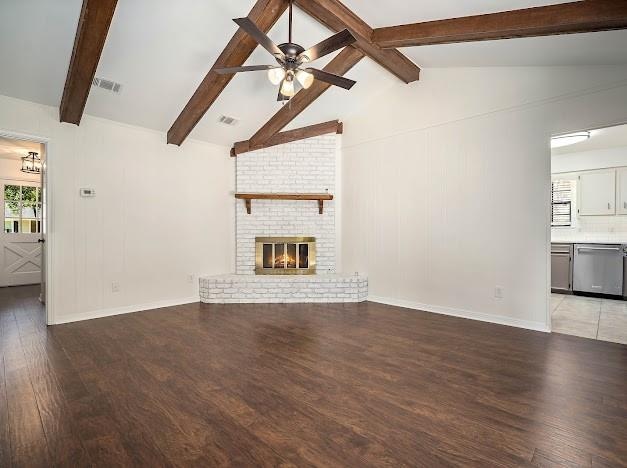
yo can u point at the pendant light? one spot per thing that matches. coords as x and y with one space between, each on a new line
31 164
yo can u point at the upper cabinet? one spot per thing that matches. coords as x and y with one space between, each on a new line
597 193
621 191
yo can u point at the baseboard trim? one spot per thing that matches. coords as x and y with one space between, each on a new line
461 313
126 309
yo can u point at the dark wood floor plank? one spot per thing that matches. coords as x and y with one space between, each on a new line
5 440
305 385
62 434
27 438
218 418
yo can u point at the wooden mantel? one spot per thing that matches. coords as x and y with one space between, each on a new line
321 197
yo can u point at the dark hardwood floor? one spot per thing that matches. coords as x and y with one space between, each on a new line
303 385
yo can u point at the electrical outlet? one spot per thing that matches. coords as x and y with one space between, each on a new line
115 287
498 292
190 279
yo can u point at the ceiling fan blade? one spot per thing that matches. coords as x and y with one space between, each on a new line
330 44
331 78
259 36
248 68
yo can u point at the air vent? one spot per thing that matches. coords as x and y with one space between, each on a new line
107 84
226 120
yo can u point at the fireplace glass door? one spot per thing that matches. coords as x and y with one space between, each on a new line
285 255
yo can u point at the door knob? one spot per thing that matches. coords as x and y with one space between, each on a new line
41 241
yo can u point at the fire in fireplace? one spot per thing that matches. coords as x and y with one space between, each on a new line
285 255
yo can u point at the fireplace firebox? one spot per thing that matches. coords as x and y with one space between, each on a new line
285 255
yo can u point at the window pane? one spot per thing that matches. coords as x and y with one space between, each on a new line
26 226
29 195
38 194
561 198
30 226
29 211
12 192
11 225
11 209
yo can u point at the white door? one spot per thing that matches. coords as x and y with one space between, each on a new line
621 191
597 193
20 255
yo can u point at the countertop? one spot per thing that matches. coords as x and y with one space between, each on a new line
588 241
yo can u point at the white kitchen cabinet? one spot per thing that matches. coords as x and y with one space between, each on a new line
621 191
597 193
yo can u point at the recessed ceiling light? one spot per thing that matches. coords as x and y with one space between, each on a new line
570 139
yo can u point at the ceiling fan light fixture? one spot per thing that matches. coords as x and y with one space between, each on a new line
276 75
304 78
287 88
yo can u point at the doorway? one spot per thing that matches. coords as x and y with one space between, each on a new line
589 234
23 200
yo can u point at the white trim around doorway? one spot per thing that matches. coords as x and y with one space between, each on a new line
49 217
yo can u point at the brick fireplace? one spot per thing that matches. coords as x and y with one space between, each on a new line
286 249
306 166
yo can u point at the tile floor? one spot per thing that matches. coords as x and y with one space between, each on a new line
600 319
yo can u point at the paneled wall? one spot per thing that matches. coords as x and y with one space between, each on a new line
446 186
162 215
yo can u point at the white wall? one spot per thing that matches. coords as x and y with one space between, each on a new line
589 160
446 185
160 213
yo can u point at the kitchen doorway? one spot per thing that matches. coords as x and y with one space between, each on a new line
588 219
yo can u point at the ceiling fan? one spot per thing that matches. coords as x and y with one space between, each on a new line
292 59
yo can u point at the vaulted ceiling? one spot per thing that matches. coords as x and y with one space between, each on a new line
160 51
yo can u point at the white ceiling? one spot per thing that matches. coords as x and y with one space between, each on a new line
160 50
603 138
16 149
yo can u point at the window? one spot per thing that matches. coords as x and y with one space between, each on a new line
561 202
22 209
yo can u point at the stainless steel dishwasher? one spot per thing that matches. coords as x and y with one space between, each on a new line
598 268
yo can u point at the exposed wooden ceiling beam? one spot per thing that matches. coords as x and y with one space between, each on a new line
264 14
343 62
336 16
565 18
91 34
333 126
